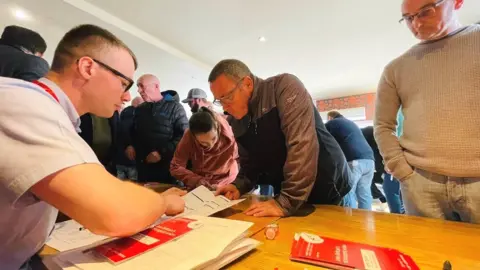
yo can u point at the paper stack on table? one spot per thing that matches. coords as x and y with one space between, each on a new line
70 234
216 243
210 243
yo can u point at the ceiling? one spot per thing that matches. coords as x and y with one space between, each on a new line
336 48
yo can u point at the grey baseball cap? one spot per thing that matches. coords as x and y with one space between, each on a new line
195 93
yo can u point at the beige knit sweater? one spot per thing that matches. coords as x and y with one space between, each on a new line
437 84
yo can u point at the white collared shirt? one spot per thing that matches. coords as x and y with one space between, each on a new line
38 137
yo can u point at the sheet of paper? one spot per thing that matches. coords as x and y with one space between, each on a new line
186 252
202 202
70 234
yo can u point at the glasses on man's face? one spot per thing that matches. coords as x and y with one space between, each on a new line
126 85
228 98
426 12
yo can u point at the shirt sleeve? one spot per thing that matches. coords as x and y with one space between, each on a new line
385 124
295 107
38 139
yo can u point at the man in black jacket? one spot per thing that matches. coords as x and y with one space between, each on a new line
21 51
159 125
284 141
101 135
126 168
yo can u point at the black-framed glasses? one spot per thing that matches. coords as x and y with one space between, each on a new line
126 87
228 98
427 11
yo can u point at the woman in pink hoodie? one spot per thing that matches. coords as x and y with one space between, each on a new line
210 145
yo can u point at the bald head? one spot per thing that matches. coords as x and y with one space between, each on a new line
137 101
149 88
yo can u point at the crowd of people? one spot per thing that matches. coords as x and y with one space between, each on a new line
67 150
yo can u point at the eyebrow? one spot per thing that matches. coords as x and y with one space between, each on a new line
424 6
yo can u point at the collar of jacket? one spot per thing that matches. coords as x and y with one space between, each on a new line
254 99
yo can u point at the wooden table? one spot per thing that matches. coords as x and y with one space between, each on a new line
429 242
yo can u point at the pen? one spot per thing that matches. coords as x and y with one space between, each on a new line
447 265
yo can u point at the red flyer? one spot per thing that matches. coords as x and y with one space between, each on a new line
345 255
126 248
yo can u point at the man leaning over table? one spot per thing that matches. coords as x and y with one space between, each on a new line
436 83
45 164
285 143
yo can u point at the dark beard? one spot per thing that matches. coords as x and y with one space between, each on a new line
195 108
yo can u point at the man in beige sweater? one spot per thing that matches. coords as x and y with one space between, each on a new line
437 84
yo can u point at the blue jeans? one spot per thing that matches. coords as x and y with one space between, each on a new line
361 176
127 173
391 188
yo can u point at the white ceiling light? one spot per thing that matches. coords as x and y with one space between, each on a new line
262 39
21 14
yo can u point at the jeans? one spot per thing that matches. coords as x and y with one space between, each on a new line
127 173
391 188
432 195
361 177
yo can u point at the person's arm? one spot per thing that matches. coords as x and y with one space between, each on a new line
33 69
180 124
43 157
298 125
178 166
385 124
101 203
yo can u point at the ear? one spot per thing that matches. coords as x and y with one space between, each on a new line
458 4
86 67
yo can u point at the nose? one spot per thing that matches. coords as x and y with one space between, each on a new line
126 97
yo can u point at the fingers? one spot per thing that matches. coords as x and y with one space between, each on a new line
254 210
221 191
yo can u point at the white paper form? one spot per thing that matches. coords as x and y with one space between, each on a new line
70 234
186 252
202 202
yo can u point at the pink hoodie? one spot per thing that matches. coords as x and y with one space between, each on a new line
214 167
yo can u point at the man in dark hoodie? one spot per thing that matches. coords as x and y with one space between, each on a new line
21 52
285 142
159 124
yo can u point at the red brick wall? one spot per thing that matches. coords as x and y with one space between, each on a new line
364 100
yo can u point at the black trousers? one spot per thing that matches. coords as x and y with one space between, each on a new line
155 172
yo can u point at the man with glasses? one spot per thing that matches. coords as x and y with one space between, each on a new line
46 166
436 84
159 124
282 138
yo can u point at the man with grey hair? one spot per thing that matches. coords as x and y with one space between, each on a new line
196 99
436 84
282 141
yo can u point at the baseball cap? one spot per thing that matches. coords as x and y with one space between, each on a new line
195 93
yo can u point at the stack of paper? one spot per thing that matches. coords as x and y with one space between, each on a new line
70 235
211 243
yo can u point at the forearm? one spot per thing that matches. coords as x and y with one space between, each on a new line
391 150
100 202
189 178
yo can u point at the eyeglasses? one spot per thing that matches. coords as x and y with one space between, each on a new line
427 11
228 98
126 86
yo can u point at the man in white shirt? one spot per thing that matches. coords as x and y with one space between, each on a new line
46 166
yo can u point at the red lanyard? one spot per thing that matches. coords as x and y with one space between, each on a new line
47 89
